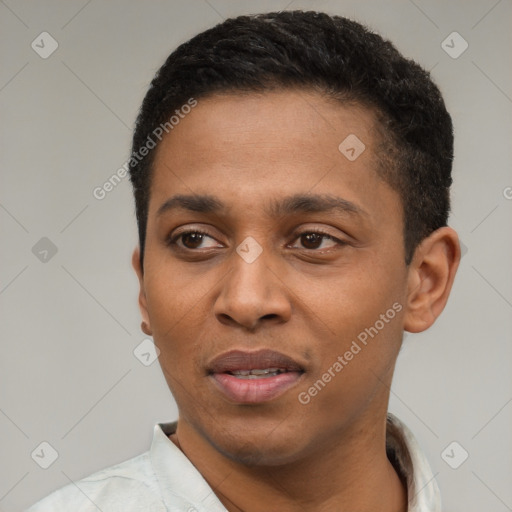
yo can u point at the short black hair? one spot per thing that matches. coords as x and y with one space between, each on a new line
339 58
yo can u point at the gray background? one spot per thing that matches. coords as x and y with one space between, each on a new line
70 323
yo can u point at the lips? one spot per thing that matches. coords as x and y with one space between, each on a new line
254 377
240 360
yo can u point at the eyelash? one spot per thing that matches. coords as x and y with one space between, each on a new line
172 240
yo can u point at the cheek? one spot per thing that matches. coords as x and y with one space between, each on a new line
178 314
363 311
172 296
352 298
353 373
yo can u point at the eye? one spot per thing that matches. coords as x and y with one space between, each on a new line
313 240
310 240
193 240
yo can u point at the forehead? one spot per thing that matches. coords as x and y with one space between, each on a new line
295 124
251 147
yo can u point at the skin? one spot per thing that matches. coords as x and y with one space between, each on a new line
306 297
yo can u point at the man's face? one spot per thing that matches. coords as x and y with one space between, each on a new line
323 277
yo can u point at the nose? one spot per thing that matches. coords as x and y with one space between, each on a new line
253 294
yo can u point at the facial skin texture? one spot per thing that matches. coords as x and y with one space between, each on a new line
307 300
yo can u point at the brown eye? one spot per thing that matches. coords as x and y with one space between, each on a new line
192 240
312 240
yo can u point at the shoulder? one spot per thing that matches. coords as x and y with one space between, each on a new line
130 485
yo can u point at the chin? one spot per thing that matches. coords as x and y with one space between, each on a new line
261 456
253 446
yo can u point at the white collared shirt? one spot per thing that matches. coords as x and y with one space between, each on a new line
164 480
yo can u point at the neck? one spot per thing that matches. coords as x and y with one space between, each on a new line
346 471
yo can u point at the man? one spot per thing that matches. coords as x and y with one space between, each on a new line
291 174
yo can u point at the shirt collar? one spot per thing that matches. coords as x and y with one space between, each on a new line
180 481
412 465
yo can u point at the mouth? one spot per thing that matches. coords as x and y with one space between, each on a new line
254 377
258 373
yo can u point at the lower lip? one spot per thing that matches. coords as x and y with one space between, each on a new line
254 391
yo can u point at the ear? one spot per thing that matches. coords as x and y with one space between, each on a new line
430 278
146 324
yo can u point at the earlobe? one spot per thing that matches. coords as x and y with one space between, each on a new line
430 279
145 325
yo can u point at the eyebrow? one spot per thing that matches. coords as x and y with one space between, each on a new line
298 203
